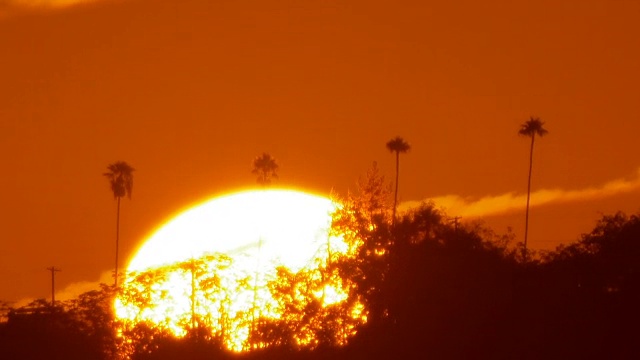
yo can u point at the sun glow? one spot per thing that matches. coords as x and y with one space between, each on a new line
249 270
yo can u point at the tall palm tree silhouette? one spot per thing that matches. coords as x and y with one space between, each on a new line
531 127
397 145
120 177
265 168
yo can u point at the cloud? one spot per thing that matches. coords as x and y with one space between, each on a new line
38 4
10 8
510 202
73 290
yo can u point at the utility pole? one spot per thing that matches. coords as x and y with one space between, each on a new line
53 284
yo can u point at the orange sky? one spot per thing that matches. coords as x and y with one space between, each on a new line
190 91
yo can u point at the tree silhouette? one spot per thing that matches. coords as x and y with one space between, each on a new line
363 220
531 127
397 145
265 168
80 328
120 177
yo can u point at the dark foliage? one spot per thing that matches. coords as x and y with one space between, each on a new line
79 329
441 292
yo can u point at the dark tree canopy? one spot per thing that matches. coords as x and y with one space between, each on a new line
532 127
265 168
398 145
120 177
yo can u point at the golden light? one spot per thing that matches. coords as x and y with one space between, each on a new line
252 269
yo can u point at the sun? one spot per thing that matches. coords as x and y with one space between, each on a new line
239 266
281 225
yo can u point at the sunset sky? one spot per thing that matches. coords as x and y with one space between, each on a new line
189 92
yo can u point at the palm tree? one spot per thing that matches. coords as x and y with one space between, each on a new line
265 168
531 127
120 177
397 145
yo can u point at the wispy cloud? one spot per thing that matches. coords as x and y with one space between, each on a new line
73 290
510 202
9 8
42 3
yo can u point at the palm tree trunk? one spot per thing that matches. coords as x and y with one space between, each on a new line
117 240
526 221
395 198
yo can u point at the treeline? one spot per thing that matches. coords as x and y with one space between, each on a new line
454 294
434 289
81 328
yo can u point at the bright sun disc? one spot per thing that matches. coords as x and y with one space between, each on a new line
287 226
236 265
